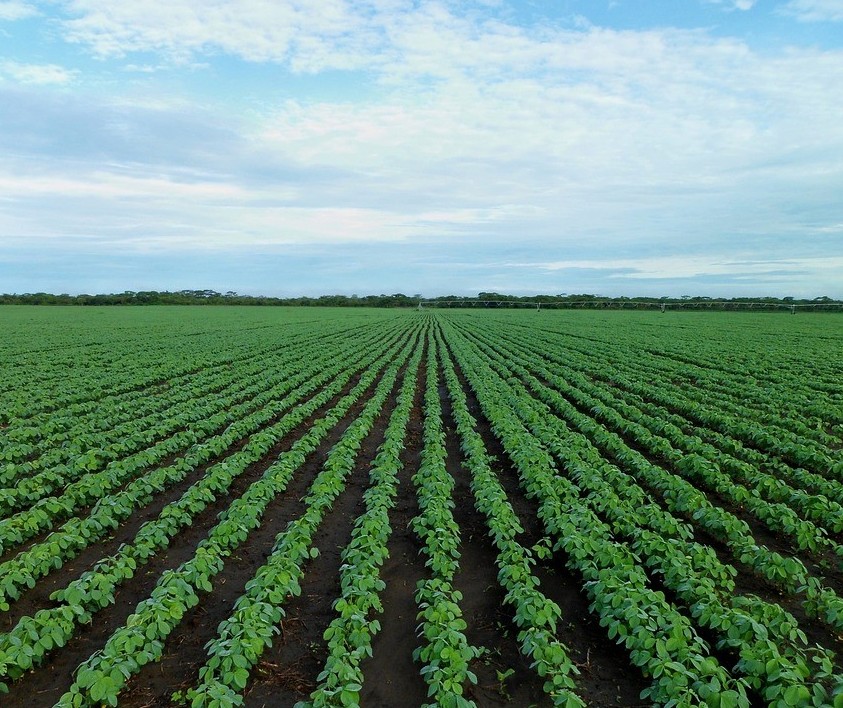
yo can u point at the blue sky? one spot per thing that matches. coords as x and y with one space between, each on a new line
674 147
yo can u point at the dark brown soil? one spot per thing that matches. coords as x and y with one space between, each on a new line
391 677
308 615
184 650
289 669
607 677
56 675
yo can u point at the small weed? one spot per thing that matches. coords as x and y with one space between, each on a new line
502 688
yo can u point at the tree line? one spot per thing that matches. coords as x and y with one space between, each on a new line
482 299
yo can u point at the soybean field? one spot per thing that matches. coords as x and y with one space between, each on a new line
256 506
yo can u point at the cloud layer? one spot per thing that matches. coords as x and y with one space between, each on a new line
264 129
816 10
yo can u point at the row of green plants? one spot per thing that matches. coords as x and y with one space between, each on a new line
745 363
778 382
34 636
773 652
45 441
142 432
140 640
725 450
536 616
698 419
62 445
816 496
79 369
658 421
281 394
810 494
445 652
349 635
781 431
631 443
704 465
243 636
87 490
791 404
661 641
818 600
683 498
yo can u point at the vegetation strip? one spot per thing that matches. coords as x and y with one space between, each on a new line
243 636
685 468
33 637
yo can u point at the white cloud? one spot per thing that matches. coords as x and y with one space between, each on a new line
136 209
673 110
10 11
111 185
629 135
735 4
36 73
677 267
255 30
467 130
815 10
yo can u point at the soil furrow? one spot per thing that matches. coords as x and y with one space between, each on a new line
37 597
391 676
606 676
184 651
503 673
56 674
308 615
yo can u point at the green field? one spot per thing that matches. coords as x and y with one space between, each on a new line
222 506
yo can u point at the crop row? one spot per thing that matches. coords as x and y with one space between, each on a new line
95 589
349 635
141 639
660 639
688 488
279 394
690 570
34 636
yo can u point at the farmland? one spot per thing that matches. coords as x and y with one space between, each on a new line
264 506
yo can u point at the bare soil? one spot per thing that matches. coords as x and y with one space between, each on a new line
289 669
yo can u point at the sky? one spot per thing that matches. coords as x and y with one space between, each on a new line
309 147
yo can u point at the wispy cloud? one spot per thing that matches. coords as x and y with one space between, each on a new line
36 73
11 11
251 29
631 148
692 267
436 127
815 10
734 4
